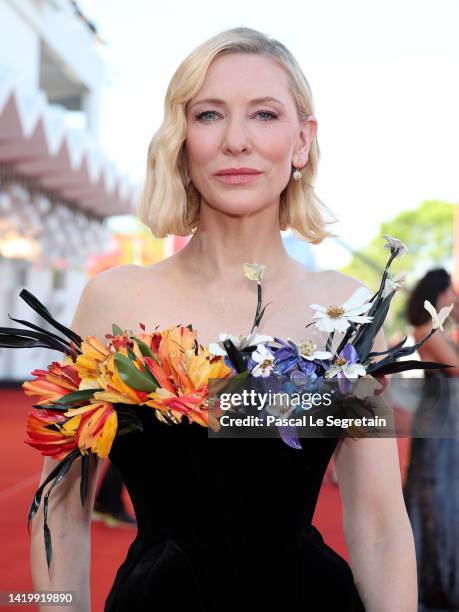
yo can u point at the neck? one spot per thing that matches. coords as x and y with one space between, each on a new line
222 243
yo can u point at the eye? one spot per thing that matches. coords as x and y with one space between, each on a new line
204 113
209 115
269 115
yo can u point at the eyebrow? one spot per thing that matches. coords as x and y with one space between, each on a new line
254 101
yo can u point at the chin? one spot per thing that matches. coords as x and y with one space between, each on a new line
239 208
239 205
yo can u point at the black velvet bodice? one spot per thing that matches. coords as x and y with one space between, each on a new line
225 524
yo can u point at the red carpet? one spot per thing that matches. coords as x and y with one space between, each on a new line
20 469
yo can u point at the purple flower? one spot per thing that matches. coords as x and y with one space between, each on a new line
289 357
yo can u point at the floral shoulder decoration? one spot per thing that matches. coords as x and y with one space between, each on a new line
90 397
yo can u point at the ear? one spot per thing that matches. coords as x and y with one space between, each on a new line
306 136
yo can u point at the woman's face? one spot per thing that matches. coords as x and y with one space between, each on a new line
230 127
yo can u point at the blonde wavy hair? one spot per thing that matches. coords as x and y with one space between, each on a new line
168 205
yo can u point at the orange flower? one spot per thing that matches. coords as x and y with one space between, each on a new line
173 359
194 406
96 426
92 427
183 374
49 441
93 352
58 380
113 388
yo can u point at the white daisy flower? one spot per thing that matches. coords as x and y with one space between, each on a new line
393 283
350 370
240 342
307 350
395 243
438 318
338 318
254 271
265 361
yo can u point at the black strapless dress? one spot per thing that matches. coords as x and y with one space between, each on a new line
225 524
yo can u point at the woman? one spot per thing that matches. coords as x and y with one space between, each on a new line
432 484
227 524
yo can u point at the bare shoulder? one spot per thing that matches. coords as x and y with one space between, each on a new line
107 279
113 295
341 285
100 298
326 286
120 280
343 280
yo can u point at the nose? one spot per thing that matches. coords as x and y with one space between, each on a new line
236 136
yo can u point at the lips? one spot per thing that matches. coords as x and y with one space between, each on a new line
237 172
237 179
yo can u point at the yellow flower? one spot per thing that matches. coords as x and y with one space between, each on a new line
93 353
254 271
95 426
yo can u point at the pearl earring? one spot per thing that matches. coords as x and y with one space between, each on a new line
296 175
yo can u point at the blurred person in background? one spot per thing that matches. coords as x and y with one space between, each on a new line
432 483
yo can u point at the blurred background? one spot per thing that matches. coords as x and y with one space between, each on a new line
82 86
81 94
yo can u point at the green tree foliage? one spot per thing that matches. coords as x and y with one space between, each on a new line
428 233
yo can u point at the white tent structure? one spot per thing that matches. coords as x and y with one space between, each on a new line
57 185
36 142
